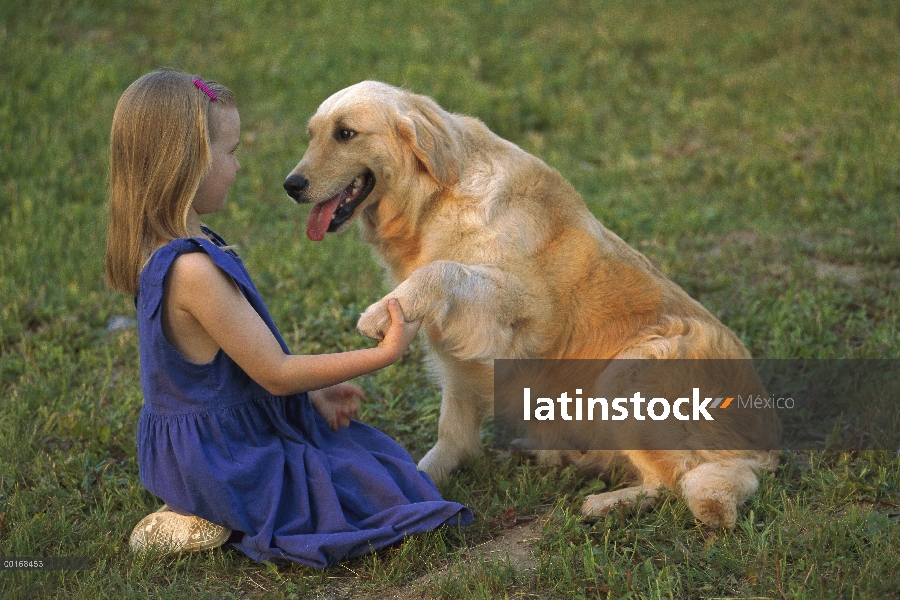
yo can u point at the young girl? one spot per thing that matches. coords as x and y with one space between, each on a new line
237 436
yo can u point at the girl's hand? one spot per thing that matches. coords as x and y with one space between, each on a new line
400 333
337 404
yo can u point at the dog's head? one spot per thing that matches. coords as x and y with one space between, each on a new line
366 142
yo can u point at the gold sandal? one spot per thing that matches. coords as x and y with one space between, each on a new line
169 532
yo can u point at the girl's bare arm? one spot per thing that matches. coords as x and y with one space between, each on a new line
198 289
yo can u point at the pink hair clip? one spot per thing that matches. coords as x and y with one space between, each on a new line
206 90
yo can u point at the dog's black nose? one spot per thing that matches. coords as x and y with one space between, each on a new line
295 185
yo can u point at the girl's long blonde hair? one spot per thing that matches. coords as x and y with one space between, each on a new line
158 153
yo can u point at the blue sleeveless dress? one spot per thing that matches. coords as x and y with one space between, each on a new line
214 443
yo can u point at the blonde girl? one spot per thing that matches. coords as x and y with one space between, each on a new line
243 441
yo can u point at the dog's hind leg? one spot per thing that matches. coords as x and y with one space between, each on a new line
713 491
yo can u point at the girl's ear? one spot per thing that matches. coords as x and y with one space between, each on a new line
425 130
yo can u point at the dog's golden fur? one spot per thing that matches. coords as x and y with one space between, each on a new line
502 259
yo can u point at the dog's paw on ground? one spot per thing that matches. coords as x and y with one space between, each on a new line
635 498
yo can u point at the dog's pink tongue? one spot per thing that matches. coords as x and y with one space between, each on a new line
319 218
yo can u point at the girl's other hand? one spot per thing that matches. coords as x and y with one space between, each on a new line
337 404
400 333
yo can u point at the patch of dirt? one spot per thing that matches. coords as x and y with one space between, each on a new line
517 545
851 275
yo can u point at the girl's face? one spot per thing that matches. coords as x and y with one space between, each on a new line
225 136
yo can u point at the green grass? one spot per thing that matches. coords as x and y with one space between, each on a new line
749 148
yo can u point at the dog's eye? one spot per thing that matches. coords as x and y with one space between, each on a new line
342 135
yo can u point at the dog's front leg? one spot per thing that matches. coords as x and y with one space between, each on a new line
471 315
466 400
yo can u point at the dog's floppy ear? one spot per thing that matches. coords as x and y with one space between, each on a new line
425 128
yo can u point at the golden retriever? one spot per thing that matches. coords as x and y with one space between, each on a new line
501 258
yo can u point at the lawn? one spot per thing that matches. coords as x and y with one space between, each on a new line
750 149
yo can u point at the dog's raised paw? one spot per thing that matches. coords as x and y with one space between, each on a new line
374 321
